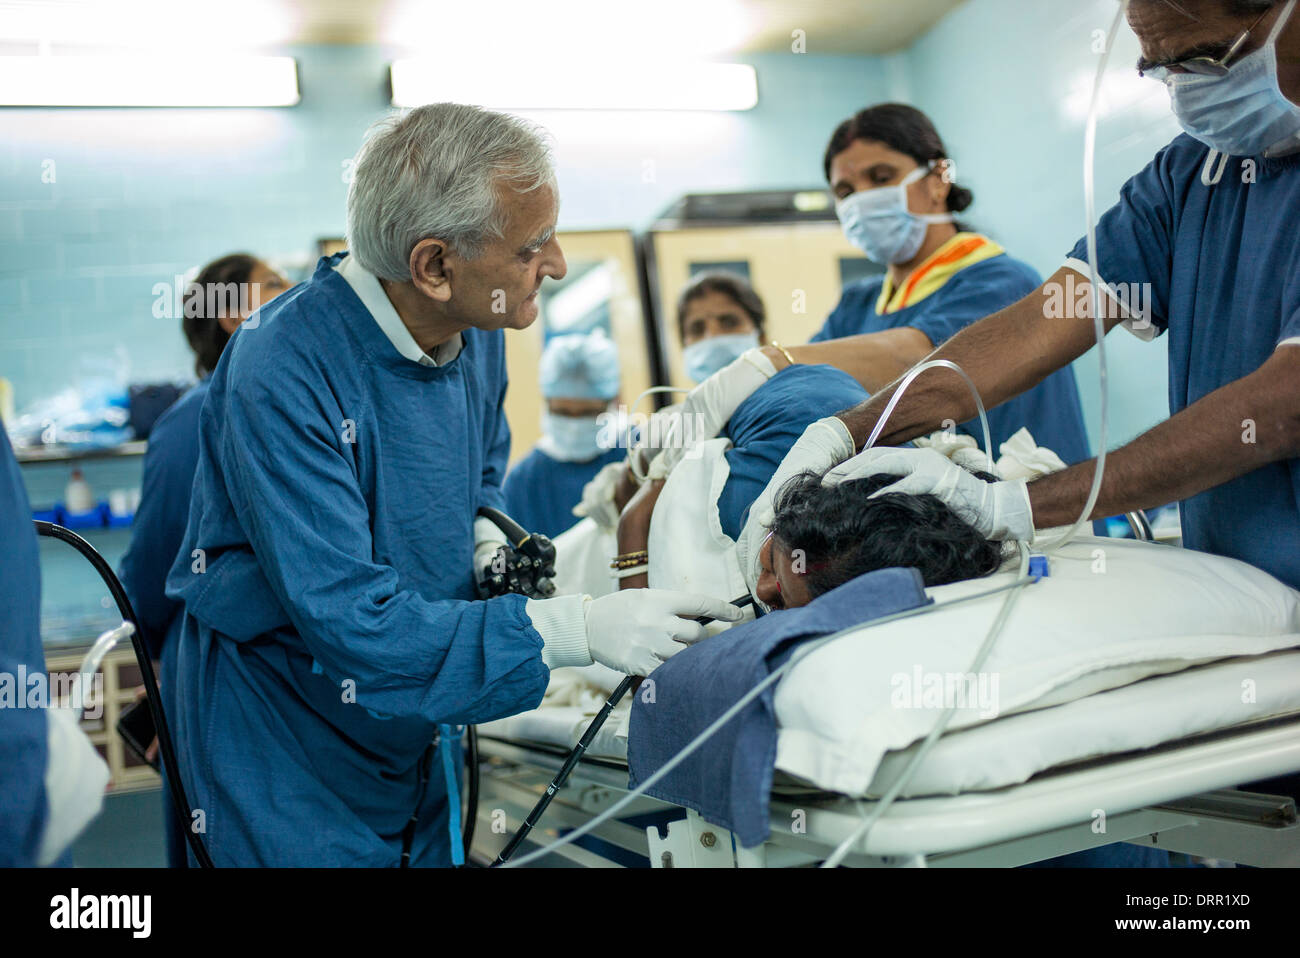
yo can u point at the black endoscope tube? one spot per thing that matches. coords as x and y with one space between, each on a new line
575 756
562 776
471 802
180 801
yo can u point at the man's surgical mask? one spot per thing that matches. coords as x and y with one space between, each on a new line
1243 113
707 356
572 438
878 222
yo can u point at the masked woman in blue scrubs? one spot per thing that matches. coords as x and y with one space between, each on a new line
719 317
579 380
896 198
169 463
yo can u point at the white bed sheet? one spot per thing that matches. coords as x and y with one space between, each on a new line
1011 750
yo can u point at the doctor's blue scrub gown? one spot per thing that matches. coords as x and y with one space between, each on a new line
541 490
329 629
966 279
24 748
1223 266
156 536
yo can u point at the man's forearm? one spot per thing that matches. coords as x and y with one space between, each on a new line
1004 354
1232 431
873 359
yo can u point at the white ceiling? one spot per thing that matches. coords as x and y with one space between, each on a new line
541 28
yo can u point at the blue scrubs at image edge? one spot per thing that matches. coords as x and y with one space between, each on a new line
157 532
333 628
1223 264
1050 410
23 734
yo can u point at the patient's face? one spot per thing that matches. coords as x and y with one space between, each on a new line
780 582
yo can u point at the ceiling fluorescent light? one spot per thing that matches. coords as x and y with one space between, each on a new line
142 80
664 86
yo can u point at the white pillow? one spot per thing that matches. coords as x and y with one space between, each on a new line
1111 612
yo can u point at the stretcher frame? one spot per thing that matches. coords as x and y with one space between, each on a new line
1179 796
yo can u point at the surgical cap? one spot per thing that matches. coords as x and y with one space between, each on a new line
580 366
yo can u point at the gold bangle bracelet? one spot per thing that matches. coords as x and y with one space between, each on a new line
784 352
629 559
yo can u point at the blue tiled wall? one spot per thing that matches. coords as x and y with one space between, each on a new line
142 195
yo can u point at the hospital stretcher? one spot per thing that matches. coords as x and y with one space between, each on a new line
1179 796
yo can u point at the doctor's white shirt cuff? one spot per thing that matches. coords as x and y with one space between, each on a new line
562 624
1143 329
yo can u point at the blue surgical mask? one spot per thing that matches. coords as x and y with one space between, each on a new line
879 223
1243 113
572 438
706 357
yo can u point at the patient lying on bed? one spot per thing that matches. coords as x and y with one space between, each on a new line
821 536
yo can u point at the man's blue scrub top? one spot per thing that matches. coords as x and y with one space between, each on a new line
329 626
1223 267
541 491
1050 410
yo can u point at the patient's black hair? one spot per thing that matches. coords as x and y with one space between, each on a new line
844 533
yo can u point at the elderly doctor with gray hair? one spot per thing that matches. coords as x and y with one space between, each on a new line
332 646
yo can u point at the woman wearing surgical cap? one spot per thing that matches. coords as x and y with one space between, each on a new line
580 378
719 317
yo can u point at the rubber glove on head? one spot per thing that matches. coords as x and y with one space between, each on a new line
997 510
637 630
823 444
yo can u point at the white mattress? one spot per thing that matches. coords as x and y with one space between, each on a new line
1139 716
1112 613
1014 748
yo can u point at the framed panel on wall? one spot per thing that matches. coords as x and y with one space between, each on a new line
599 291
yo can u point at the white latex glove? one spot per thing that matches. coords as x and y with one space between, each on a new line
709 406
598 497
75 779
959 447
637 630
997 510
825 443
487 539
